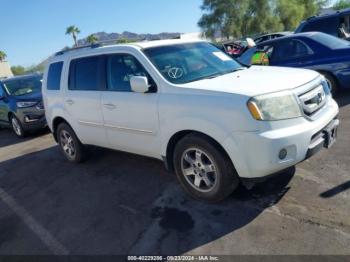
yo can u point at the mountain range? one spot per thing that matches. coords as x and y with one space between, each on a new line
106 37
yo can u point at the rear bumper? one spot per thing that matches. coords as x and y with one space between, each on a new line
257 154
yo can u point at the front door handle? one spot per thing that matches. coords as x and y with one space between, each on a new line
110 106
70 102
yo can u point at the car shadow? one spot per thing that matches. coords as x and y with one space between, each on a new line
343 98
8 137
117 203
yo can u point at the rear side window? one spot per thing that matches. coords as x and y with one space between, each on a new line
54 76
290 49
84 73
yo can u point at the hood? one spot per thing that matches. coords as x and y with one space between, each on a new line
256 80
37 96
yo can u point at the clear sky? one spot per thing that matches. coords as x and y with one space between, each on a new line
31 30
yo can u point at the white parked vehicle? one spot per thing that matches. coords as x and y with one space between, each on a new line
212 120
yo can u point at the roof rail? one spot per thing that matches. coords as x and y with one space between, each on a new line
95 45
75 48
343 10
311 17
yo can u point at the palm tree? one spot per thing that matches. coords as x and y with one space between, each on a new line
2 56
92 39
73 30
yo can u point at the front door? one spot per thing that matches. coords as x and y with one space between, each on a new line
130 119
291 53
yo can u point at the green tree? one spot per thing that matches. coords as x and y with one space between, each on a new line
18 70
312 7
73 30
260 18
92 39
2 56
124 41
341 4
237 18
290 13
223 16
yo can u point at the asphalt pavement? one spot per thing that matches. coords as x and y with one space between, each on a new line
118 203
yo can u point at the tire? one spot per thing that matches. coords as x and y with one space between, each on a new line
201 159
331 82
17 127
69 144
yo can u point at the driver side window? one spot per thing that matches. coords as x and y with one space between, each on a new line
120 68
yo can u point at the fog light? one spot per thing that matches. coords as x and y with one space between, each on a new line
30 119
283 154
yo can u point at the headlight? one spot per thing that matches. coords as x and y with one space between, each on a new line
25 104
274 106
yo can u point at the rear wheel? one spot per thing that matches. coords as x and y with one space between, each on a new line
203 169
17 126
69 143
332 83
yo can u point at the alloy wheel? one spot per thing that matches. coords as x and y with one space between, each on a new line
199 169
67 144
16 126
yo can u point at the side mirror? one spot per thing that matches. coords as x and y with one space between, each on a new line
139 84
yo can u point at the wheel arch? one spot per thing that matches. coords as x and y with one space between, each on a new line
322 72
9 115
175 138
55 123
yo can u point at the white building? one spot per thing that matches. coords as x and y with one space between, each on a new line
5 70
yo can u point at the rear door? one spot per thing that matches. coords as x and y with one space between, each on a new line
82 101
130 119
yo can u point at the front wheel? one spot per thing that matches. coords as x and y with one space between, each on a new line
332 83
69 143
17 127
203 169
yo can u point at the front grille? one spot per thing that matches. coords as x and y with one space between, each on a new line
313 100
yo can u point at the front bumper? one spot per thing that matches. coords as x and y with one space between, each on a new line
257 154
31 123
32 118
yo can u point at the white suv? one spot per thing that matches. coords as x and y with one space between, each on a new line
212 120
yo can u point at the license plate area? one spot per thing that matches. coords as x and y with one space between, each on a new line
331 133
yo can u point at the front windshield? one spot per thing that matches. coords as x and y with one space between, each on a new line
330 41
19 87
184 63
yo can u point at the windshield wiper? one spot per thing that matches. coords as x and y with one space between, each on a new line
219 74
208 77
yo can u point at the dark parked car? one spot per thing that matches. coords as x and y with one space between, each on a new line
267 37
317 51
336 24
21 105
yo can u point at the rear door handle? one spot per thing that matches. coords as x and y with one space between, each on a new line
70 102
110 106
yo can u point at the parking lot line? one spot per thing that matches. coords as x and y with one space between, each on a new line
53 245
